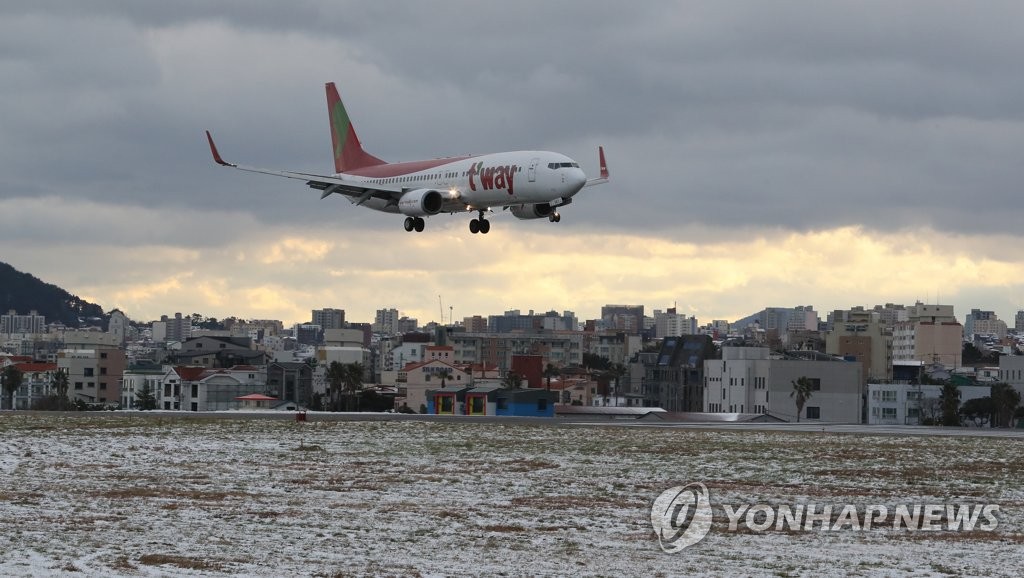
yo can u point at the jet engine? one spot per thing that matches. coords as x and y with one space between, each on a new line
536 211
421 202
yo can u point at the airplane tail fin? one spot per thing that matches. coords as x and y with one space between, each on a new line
348 152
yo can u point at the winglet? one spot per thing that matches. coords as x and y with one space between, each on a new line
216 155
604 170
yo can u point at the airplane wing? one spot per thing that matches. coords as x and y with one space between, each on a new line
358 192
604 170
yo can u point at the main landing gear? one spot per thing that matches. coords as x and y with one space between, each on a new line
555 217
414 223
480 225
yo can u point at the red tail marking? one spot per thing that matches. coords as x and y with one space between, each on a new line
604 165
348 151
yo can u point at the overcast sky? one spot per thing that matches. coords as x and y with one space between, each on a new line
762 153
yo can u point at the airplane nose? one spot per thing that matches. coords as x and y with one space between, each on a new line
578 179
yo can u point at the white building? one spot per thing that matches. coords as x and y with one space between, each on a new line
749 380
1011 371
118 327
904 404
672 324
14 324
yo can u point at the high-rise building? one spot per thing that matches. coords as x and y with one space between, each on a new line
627 318
475 324
12 323
177 329
329 318
860 334
980 322
930 334
672 324
386 321
1018 321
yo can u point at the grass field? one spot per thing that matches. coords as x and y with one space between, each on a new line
120 494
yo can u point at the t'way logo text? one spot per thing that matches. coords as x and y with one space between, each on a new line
492 177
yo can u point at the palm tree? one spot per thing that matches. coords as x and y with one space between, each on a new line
444 374
336 375
802 393
59 381
353 382
12 378
551 371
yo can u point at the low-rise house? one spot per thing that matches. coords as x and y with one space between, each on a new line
416 378
492 400
256 401
36 383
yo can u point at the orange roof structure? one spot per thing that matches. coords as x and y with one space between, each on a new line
256 397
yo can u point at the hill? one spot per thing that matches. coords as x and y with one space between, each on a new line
23 293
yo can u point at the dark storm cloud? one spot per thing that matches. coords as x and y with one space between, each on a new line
800 115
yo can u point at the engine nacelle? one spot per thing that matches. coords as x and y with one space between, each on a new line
421 202
537 211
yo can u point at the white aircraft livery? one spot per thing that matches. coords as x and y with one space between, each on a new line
530 184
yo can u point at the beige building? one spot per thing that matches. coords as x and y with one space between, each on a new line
930 334
94 375
417 378
861 335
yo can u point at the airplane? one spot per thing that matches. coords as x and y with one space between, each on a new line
529 184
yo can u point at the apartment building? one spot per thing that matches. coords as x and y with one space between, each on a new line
14 324
931 334
94 375
860 334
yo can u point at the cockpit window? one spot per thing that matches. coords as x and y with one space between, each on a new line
563 165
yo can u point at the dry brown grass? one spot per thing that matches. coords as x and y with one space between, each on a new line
503 528
179 561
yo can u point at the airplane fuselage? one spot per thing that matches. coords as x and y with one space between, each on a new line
484 181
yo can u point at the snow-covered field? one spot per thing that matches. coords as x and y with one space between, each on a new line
127 495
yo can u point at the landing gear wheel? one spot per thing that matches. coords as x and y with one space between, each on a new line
418 224
485 226
555 218
474 226
410 224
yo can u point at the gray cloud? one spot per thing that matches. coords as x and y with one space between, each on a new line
736 115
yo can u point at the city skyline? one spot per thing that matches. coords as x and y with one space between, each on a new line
806 154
